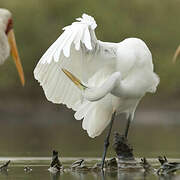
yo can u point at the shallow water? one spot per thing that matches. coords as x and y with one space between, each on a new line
38 139
27 132
40 171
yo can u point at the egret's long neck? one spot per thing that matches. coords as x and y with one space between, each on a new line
2 26
97 93
4 47
127 88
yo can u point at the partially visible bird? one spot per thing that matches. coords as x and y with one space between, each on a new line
176 54
111 77
8 42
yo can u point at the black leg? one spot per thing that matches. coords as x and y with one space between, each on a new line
102 174
127 126
106 142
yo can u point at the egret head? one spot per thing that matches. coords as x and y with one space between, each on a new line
5 16
8 42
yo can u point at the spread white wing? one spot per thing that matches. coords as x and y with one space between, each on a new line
78 51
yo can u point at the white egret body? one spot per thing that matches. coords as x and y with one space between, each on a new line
111 76
7 41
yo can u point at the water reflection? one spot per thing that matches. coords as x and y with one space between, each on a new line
124 175
54 176
5 173
79 175
169 177
40 172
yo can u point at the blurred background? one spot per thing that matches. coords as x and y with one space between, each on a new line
32 126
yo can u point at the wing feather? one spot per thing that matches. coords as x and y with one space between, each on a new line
69 52
77 39
87 39
67 46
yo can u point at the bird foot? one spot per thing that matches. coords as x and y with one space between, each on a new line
122 148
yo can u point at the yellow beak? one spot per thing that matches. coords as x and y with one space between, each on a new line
177 53
15 55
74 79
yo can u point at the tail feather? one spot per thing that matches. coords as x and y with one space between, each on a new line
82 110
97 115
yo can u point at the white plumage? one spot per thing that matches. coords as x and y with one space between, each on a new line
5 15
117 74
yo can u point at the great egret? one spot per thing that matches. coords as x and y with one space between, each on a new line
8 42
113 77
177 53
